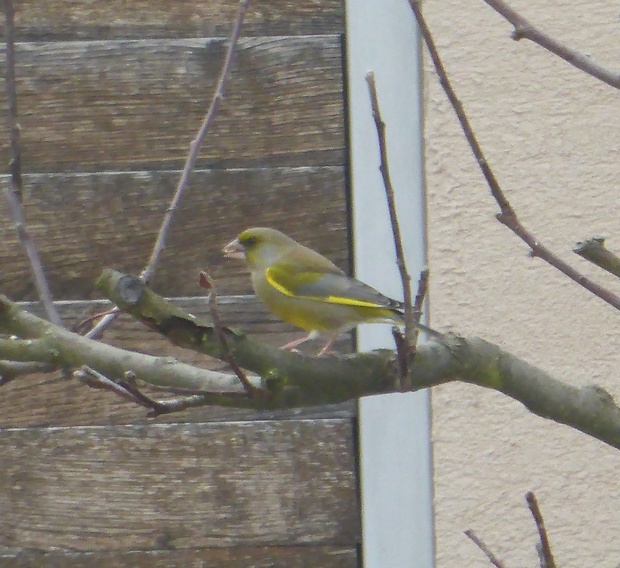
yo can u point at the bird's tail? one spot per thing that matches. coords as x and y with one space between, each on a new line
424 328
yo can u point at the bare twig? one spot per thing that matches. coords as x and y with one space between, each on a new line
547 560
207 283
480 544
525 30
411 334
87 322
96 380
402 357
417 309
389 193
507 215
13 125
129 384
405 353
14 192
128 390
160 243
182 403
594 250
421 295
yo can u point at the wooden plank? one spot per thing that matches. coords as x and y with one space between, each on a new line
85 222
50 400
40 20
177 486
237 557
126 105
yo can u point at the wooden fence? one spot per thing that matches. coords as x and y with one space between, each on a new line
109 96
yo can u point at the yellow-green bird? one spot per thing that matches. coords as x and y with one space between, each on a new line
304 288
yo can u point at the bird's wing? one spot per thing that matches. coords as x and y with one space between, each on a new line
327 287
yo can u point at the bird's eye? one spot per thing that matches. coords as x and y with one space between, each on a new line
250 241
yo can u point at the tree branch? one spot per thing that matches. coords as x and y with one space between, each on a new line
293 379
297 380
507 215
160 244
544 547
389 194
207 283
594 250
10 370
524 29
162 236
482 546
14 192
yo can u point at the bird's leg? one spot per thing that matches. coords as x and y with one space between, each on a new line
312 335
332 339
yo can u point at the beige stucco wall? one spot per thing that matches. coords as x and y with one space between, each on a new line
552 135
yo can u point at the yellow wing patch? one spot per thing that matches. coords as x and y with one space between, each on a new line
341 300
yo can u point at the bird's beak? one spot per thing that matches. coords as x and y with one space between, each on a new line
234 250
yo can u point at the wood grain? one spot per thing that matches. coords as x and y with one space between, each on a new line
178 486
235 557
41 20
50 400
127 105
85 222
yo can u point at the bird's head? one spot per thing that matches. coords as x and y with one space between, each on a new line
260 247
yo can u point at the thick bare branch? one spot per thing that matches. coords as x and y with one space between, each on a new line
311 380
293 379
43 342
525 30
10 370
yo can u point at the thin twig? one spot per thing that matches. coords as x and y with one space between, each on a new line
594 250
156 407
410 332
13 125
480 544
389 194
160 243
547 560
87 322
507 215
417 311
14 193
128 390
421 295
405 353
94 379
207 283
402 357
525 30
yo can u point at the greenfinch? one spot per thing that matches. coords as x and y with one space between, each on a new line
305 289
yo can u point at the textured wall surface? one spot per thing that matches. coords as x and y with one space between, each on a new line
552 135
